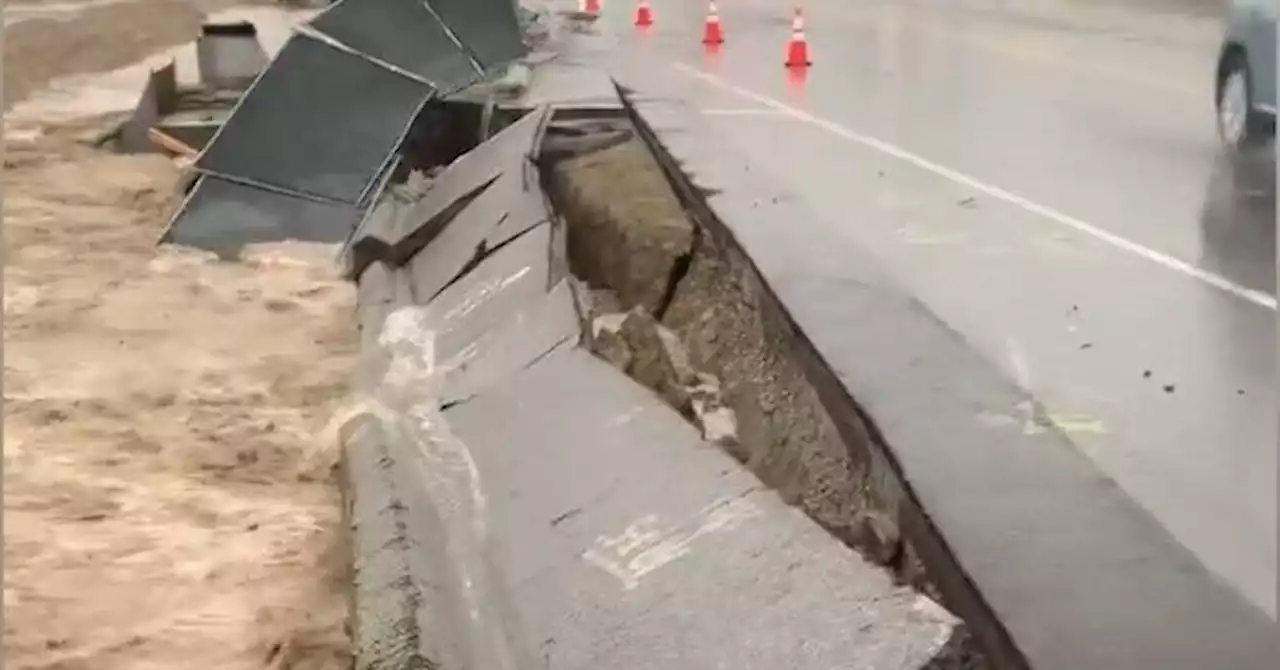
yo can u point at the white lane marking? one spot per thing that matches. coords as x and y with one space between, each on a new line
1169 262
643 548
747 111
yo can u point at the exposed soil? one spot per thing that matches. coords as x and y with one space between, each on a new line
170 500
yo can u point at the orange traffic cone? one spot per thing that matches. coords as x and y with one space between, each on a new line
711 30
644 15
798 46
590 6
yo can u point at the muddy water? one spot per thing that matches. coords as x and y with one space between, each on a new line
17 12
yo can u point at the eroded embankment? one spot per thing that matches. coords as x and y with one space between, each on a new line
680 308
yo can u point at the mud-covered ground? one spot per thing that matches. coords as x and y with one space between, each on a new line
170 500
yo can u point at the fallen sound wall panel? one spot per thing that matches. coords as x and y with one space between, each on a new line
319 121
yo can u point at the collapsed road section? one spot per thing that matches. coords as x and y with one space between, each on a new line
514 499
519 493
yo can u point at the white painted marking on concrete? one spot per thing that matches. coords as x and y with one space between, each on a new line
630 416
483 292
642 548
1073 424
1046 213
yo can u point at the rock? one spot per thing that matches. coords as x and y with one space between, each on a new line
718 422
638 345
911 570
607 341
659 360
878 535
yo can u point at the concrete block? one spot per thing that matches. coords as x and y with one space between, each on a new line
630 543
486 223
538 327
229 56
495 290
159 98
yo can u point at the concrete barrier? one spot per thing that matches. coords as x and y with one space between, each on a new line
229 56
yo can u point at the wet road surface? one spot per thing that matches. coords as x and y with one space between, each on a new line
1045 177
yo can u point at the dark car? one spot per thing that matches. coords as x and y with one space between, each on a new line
1245 89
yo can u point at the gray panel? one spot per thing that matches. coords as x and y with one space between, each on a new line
487 27
318 121
403 33
537 328
499 287
223 216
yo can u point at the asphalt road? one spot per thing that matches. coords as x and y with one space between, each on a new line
1045 177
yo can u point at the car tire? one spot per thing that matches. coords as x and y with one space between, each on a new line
1240 126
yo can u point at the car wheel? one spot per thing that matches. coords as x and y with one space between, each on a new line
1240 126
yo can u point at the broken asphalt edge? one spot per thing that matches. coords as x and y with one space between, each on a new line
1049 563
